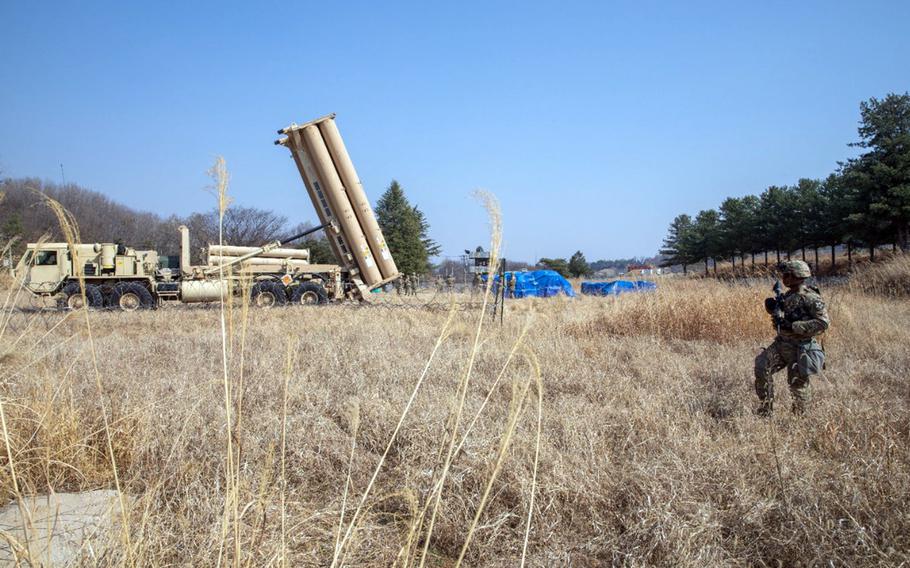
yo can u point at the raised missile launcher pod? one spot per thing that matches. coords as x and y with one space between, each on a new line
121 277
339 199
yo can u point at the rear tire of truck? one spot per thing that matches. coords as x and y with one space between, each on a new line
71 297
308 294
268 294
130 296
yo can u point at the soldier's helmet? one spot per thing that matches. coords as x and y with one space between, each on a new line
797 268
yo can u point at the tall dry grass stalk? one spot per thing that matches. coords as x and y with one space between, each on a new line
519 398
13 294
538 378
70 230
416 526
443 334
284 435
219 175
353 418
493 211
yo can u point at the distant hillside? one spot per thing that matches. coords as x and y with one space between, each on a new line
101 219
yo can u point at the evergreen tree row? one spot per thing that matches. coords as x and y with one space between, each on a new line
866 202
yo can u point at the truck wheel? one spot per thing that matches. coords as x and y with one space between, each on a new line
267 294
309 293
130 296
71 297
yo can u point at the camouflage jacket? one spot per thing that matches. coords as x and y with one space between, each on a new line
806 310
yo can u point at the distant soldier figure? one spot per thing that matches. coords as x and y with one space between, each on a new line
414 283
406 284
510 282
799 316
478 281
439 284
450 282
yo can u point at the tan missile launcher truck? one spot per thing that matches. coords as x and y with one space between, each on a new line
122 277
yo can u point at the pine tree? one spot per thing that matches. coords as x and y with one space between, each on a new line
675 243
779 222
879 180
737 227
557 264
578 265
404 229
320 250
706 237
433 248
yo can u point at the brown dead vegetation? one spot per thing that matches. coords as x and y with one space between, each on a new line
649 451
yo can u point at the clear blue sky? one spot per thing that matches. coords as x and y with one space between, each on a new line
594 123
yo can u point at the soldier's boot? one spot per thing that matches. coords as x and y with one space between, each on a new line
764 388
800 394
800 398
765 409
765 365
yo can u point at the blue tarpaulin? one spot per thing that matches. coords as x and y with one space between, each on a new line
537 283
616 287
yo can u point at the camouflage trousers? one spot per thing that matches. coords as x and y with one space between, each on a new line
802 360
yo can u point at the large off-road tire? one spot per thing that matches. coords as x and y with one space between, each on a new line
131 296
267 294
71 297
309 293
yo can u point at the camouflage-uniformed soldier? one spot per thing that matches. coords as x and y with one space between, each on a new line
511 284
406 284
799 316
450 282
414 282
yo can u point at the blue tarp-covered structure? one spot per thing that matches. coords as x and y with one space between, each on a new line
616 287
537 284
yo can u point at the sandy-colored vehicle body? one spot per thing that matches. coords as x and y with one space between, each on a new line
45 268
120 276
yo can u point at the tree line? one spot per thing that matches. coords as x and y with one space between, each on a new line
23 215
864 203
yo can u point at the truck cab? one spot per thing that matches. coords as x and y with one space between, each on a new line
48 269
44 267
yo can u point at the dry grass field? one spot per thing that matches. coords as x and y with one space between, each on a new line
647 451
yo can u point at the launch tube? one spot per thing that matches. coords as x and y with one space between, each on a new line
358 198
341 206
231 250
215 260
294 142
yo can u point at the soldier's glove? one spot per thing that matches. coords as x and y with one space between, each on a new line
770 305
783 324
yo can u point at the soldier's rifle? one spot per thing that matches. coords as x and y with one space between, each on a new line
777 314
781 319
